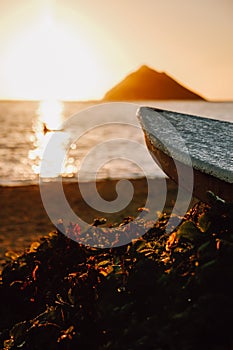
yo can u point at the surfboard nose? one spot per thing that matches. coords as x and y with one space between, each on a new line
180 141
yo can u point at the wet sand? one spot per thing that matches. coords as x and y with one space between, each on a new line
24 219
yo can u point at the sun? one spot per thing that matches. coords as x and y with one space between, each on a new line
49 61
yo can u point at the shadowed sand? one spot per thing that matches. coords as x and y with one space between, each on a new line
24 219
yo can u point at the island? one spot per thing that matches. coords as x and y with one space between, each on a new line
148 84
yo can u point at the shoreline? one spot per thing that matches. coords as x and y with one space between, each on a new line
73 180
24 219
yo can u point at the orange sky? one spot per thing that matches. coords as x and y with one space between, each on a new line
78 49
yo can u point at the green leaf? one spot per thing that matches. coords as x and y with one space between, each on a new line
147 251
189 231
139 245
204 222
213 199
207 251
71 296
210 266
18 331
104 263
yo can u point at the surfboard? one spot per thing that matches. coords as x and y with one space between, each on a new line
194 151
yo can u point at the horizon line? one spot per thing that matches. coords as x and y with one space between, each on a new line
103 100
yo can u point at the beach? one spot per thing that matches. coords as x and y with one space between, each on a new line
24 219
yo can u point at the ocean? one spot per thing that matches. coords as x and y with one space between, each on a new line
99 141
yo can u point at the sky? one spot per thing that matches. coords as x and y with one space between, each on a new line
79 49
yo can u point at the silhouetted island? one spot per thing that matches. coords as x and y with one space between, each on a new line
148 84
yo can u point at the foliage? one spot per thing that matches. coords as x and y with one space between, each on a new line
158 292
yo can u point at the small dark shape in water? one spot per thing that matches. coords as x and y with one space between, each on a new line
46 129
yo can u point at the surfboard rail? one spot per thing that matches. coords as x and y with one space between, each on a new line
179 142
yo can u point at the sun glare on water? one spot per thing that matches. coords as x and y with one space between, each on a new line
50 113
47 125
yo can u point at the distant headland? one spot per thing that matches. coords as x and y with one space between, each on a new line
148 84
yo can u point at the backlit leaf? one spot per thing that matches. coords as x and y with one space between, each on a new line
188 230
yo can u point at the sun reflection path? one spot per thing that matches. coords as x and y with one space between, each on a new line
50 113
47 124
